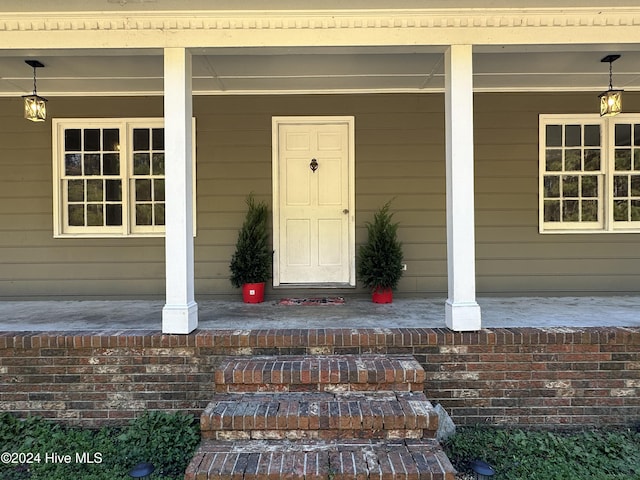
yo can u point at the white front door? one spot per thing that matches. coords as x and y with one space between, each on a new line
313 204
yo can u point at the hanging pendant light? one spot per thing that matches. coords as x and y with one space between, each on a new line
611 100
35 106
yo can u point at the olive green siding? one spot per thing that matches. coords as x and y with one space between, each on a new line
399 154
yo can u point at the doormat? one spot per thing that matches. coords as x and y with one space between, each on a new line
312 301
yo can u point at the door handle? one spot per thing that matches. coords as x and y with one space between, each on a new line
345 211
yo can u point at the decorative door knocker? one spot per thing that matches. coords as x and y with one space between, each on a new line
313 165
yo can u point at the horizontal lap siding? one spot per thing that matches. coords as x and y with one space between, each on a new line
512 257
32 263
399 154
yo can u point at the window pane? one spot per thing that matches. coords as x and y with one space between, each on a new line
158 190
141 164
76 215
635 185
623 160
94 215
92 164
620 186
551 211
143 190
113 191
94 191
570 186
143 214
92 140
72 164
573 136
75 191
159 212
589 186
551 187
591 160
158 163
636 159
570 211
589 210
636 135
111 163
635 210
111 140
72 140
620 211
141 139
572 160
158 139
114 215
623 134
553 135
592 135
554 160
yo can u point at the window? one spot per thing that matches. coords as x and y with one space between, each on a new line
589 173
108 177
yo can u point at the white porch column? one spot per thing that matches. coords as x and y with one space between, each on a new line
461 309
180 313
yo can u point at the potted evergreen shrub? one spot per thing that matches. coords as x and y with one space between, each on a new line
251 263
380 257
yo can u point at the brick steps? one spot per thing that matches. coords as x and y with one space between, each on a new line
318 417
320 373
261 460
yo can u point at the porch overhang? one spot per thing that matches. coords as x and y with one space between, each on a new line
128 48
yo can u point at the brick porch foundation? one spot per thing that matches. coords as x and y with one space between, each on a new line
517 376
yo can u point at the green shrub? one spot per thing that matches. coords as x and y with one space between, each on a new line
380 257
167 440
251 261
545 455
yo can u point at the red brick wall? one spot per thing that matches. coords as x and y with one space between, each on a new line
515 376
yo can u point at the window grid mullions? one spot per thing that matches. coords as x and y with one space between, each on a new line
618 186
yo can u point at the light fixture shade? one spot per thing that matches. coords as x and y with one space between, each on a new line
610 103
35 108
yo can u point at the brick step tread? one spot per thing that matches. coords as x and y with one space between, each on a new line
302 373
320 414
325 434
356 459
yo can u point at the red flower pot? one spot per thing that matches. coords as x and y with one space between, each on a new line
382 295
253 292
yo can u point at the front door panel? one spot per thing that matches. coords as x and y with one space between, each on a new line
313 198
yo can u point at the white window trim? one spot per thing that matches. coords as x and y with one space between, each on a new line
126 125
607 145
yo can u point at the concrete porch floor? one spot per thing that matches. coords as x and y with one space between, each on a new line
119 315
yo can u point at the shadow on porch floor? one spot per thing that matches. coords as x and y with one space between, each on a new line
355 313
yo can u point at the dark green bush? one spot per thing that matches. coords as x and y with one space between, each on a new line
546 455
167 440
380 257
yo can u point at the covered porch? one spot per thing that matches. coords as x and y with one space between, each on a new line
188 50
108 317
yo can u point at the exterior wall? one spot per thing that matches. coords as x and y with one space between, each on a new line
399 154
512 257
517 376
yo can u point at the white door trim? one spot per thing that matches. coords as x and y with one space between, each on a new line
295 120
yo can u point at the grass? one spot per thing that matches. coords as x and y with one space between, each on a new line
545 455
44 450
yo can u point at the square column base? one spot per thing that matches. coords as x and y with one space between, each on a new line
463 316
181 319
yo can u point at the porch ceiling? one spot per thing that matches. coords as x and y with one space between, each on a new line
321 69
